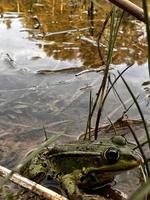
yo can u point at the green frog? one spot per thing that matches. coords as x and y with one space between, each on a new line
81 166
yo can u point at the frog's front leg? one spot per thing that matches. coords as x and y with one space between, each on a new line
69 184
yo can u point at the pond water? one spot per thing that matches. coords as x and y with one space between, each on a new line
61 36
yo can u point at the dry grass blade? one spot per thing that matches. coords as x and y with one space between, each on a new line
100 34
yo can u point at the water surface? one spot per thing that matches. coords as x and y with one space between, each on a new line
57 35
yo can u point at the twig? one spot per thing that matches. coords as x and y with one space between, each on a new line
31 185
45 133
100 35
65 70
100 69
88 127
131 8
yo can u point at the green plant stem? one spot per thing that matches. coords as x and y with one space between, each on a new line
147 30
141 191
139 109
140 148
113 34
32 154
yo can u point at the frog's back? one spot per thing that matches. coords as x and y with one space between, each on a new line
73 156
106 155
66 163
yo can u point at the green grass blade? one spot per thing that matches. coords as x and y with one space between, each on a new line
139 109
141 150
115 24
147 30
141 192
33 154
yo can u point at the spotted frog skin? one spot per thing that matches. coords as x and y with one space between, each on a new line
83 165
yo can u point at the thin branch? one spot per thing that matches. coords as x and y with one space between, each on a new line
100 35
88 127
131 8
31 185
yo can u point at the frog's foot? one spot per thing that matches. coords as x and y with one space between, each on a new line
70 186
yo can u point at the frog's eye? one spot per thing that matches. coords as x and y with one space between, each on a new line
111 154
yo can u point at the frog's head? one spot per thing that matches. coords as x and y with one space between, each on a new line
108 158
104 159
116 156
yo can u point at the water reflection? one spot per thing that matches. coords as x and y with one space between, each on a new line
59 27
56 34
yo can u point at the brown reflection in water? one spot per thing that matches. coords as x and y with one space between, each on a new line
8 23
56 16
131 44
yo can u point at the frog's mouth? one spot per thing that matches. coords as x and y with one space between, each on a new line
125 162
121 166
118 167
